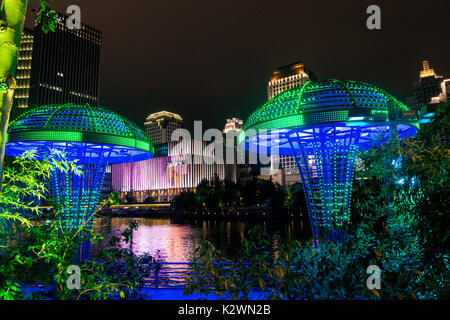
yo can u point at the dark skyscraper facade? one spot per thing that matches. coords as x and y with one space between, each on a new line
428 86
65 65
24 59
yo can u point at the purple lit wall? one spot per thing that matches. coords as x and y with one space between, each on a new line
170 173
144 175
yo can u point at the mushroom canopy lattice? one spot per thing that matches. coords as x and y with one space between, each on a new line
78 127
323 124
94 137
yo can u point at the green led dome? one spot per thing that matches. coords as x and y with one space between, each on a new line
77 123
320 102
70 123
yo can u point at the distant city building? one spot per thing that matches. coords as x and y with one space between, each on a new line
284 78
426 88
233 163
65 65
159 126
233 124
411 102
23 74
164 177
445 90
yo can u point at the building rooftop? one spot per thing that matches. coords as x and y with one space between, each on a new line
287 71
86 32
163 115
426 70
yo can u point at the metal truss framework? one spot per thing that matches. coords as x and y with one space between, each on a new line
78 195
325 157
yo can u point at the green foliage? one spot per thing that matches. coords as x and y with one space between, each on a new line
295 200
270 268
408 181
185 202
48 251
224 197
24 185
130 198
47 17
149 200
427 160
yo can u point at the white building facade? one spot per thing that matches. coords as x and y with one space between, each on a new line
284 78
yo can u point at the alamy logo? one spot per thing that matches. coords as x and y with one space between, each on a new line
74 280
374 280
374 20
211 147
74 20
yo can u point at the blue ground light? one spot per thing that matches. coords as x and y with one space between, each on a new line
323 124
94 137
162 294
177 294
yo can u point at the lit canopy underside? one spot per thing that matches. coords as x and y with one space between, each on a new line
89 153
277 142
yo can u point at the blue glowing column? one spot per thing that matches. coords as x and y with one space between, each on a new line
78 195
325 157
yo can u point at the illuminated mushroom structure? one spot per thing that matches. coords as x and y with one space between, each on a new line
93 136
323 124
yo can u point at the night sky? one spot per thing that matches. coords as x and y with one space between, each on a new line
211 60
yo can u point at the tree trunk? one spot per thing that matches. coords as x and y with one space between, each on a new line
12 19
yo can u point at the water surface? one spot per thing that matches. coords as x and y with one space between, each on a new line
177 242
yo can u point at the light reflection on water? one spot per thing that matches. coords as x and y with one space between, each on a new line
177 242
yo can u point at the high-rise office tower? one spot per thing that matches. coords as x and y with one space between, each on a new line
160 126
234 155
65 66
23 75
284 78
428 86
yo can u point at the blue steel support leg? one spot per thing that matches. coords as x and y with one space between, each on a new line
305 180
325 158
78 196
